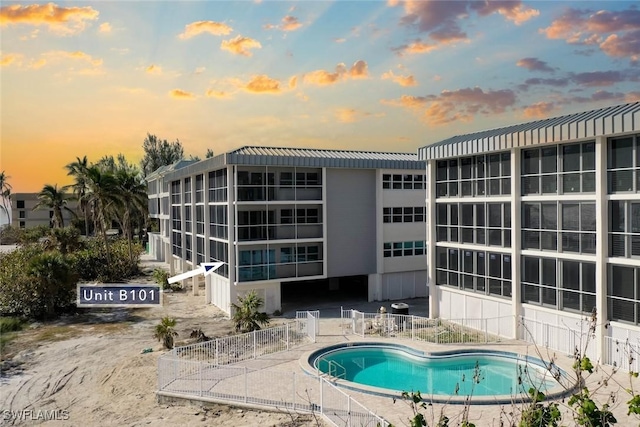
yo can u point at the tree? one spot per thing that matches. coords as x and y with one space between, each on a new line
78 170
101 197
133 200
209 153
159 153
5 192
165 331
246 316
52 198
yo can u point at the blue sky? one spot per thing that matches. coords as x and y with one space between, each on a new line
92 78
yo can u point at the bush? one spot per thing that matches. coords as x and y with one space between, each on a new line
91 262
35 283
162 278
11 235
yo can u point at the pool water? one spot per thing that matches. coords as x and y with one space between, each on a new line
464 374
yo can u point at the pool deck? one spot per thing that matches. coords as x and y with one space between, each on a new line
332 331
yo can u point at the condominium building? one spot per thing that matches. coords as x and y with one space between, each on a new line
539 221
283 219
24 216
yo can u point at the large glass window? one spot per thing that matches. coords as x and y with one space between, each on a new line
623 296
218 186
577 229
406 214
562 284
482 272
404 181
477 223
624 228
559 169
474 176
624 164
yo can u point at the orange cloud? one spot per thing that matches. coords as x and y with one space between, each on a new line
293 82
105 28
406 101
153 69
401 80
181 94
56 56
539 110
217 94
11 58
358 70
346 115
62 20
240 45
323 77
200 27
288 23
416 47
262 84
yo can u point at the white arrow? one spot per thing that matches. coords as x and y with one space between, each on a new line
205 268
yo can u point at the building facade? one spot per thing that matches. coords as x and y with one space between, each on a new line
281 216
539 221
24 216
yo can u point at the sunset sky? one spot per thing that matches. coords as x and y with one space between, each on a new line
93 78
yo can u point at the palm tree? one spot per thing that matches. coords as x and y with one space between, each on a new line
133 200
246 316
5 192
101 197
165 331
78 170
52 198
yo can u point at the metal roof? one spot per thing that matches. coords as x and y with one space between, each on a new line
321 153
589 124
297 157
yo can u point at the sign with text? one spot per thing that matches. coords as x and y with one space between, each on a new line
119 295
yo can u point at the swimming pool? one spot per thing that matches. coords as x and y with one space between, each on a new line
388 368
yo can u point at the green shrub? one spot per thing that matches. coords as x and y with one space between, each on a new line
91 262
35 283
162 278
11 235
10 324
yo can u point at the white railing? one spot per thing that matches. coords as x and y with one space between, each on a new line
622 354
566 339
343 410
439 331
243 385
236 348
309 323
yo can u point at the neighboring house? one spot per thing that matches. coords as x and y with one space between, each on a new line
541 221
290 219
24 216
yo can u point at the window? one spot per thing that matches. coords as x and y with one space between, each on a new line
218 221
20 204
407 214
474 271
559 169
187 190
624 164
561 284
199 188
403 182
22 214
218 252
218 186
474 176
623 296
404 249
477 223
624 228
576 233
307 216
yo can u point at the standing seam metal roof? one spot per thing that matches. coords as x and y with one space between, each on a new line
334 154
589 124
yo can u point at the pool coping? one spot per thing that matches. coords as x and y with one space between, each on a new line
558 392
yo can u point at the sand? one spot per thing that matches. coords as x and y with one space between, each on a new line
91 370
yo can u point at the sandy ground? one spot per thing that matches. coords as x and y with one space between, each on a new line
91 366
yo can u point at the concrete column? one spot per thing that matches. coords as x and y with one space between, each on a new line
375 287
602 243
430 211
516 235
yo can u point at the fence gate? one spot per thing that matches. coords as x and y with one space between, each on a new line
358 322
309 323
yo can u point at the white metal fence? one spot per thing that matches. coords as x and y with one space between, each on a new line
622 354
236 348
439 331
567 339
309 323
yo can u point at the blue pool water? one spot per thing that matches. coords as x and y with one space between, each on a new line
400 369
